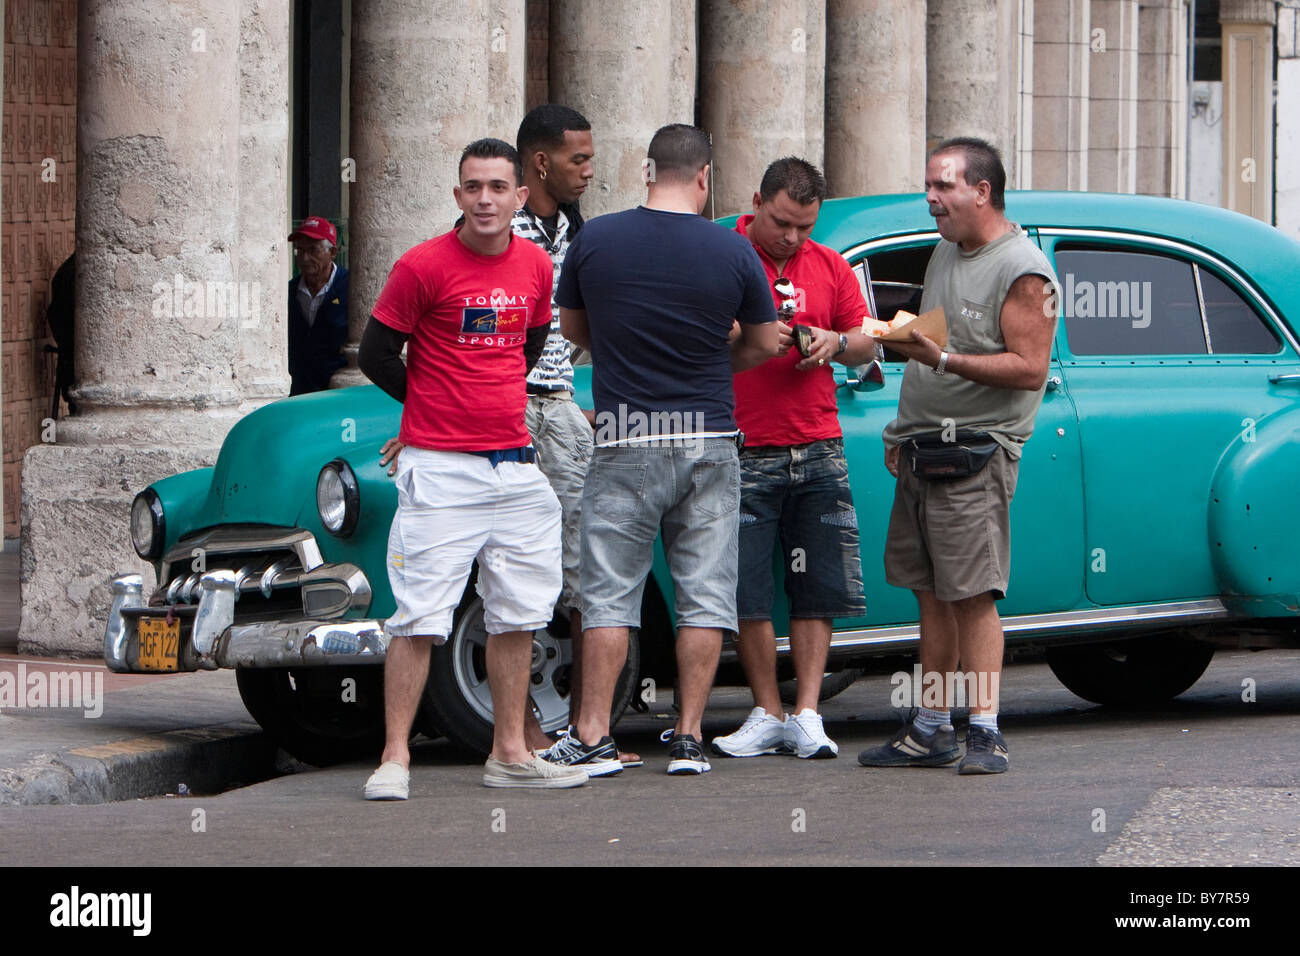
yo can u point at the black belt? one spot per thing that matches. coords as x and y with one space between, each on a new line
544 392
526 455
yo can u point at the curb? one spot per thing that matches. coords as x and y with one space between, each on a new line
205 760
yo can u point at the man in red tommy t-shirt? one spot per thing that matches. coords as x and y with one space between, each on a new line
475 304
794 478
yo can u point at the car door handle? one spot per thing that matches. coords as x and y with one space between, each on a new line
1054 383
1285 378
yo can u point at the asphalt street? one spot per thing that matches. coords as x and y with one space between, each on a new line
1207 779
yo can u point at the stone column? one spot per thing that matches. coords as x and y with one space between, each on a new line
973 60
875 96
753 90
263 252
1061 75
1162 109
428 78
1113 96
163 302
1248 106
1287 215
629 67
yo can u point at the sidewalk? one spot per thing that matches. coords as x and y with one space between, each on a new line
71 731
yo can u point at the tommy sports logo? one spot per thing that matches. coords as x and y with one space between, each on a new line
494 321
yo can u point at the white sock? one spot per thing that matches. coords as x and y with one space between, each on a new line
987 721
928 721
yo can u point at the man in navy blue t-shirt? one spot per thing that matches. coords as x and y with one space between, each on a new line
670 306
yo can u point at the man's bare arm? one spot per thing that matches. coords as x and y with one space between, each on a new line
1028 320
756 344
574 327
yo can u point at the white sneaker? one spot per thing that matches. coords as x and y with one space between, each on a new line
391 781
761 733
805 736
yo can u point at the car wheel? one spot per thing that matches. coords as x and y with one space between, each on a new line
1131 673
833 682
458 697
320 715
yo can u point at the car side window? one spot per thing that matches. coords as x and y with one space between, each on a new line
1127 302
1121 302
1234 327
891 280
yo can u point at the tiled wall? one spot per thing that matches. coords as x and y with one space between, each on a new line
40 123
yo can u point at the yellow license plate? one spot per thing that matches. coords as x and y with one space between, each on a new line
159 643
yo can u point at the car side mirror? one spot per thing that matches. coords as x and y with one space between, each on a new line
869 377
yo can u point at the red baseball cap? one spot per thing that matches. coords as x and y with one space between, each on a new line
314 227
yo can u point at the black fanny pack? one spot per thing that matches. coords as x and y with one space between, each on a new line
966 454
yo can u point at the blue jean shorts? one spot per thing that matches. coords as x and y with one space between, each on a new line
691 491
800 496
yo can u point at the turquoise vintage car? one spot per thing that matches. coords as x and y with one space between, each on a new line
1152 522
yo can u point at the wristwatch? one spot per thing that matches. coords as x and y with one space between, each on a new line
943 362
844 343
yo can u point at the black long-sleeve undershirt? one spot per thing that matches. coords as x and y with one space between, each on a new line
380 355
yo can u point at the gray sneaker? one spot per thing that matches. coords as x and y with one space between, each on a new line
534 774
986 752
911 747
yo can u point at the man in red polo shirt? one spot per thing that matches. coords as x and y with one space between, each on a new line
794 478
475 304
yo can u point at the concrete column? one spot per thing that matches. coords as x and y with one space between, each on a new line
1248 106
163 300
1023 175
973 56
1113 96
876 61
814 114
754 62
1162 109
1287 216
262 252
1061 75
428 78
630 69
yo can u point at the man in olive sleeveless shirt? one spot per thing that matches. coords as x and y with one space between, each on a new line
949 537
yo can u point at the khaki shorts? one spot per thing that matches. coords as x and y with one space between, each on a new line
952 537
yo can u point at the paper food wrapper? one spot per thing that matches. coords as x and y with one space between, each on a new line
933 325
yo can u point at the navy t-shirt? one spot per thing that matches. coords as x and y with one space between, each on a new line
661 290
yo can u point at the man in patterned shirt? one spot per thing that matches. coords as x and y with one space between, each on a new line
555 144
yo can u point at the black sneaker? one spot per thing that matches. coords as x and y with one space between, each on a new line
685 755
599 760
986 751
911 747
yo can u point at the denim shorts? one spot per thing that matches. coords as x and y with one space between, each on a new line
800 496
691 491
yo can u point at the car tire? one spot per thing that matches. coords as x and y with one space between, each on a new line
314 714
833 682
457 696
1131 673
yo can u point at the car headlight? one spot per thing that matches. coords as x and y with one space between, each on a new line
338 498
147 525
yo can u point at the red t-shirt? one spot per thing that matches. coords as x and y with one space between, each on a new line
776 403
467 315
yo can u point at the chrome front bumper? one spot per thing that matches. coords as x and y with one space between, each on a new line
213 640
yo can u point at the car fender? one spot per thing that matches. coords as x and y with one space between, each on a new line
1253 516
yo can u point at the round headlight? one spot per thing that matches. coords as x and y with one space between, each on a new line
338 498
147 525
